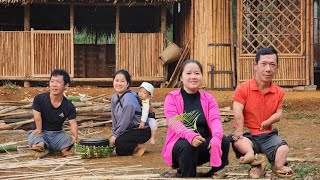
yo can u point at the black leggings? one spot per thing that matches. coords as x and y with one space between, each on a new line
187 158
129 140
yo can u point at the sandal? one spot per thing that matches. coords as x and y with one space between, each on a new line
282 174
259 159
39 147
256 172
171 174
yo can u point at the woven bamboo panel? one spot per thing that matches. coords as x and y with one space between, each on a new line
51 50
139 54
15 56
208 26
275 23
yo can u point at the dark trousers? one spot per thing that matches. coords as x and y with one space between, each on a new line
187 158
129 140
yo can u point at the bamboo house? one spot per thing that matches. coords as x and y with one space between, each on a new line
40 35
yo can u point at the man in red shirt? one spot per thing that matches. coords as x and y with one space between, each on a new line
257 104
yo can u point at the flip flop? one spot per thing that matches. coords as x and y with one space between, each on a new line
256 172
38 148
283 174
259 159
168 174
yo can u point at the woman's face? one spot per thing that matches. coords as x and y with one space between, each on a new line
191 78
120 84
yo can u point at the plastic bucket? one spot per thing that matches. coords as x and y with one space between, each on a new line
171 53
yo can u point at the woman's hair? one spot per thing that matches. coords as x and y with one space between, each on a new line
125 73
187 62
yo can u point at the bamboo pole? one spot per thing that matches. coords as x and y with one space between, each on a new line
118 59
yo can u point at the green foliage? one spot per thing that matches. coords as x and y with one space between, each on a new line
93 151
303 170
189 120
10 85
84 37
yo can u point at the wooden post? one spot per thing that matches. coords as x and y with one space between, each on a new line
26 17
163 31
311 42
32 53
307 41
71 43
26 24
232 47
117 36
26 83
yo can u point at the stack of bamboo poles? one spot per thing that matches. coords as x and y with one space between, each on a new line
91 112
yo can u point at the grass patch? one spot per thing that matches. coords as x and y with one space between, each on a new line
303 170
10 85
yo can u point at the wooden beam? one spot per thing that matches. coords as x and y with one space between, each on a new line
26 17
100 3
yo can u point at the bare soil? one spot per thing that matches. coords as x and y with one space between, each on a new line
300 127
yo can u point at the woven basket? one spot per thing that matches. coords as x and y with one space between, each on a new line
171 53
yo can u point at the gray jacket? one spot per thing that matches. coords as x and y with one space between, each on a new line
124 116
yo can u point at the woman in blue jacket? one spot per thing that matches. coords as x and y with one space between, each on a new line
126 116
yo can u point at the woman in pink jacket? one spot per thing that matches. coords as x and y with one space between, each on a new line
186 148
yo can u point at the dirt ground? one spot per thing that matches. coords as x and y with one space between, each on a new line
299 127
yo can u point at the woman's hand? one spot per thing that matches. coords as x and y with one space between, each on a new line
112 140
197 141
141 125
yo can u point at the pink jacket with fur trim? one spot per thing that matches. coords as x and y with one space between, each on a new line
173 106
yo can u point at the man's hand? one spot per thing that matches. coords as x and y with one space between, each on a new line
197 141
264 125
37 131
237 134
112 140
141 126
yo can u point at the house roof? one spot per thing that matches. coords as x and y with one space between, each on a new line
129 2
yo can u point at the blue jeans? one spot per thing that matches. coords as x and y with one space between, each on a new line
54 140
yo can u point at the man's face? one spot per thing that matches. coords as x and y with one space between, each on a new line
266 67
56 85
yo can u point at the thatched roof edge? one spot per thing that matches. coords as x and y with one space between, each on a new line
129 2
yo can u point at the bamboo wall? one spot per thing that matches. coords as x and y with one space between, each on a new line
208 24
139 54
51 50
286 26
15 54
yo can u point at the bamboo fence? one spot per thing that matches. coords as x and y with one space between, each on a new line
35 53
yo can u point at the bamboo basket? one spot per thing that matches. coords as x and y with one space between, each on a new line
171 53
